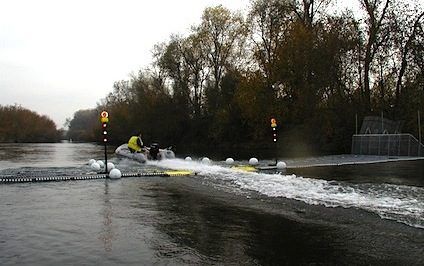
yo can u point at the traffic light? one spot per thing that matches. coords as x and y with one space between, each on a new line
104 118
274 129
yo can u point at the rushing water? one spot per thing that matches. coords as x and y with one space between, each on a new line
337 215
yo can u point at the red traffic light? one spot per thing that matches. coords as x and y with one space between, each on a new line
104 114
104 117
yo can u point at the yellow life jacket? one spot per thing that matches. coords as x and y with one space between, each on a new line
132 143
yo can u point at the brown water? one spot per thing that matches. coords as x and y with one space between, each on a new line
216 217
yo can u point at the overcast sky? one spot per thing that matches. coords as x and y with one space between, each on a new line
58 56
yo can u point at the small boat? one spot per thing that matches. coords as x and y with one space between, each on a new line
148 153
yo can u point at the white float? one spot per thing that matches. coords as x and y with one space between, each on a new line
188 158
110 166
91 161
253 161
229 161
281 165
115 174
101 163
95 166
205 160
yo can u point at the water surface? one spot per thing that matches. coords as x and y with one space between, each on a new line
219 216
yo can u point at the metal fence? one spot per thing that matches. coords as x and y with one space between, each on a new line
387 144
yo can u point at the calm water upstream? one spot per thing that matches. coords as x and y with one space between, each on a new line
334 216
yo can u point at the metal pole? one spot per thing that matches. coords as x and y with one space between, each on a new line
106 158
382 123
356 124
104 119
419 134
419 126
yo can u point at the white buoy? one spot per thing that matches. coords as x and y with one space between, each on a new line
253 161
188 158
229 161
115 173
91 161
101 163
95 166
281 165
110 166
205 160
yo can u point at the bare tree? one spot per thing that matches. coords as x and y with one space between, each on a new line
307 10
222 33
377 34
269 23
408 28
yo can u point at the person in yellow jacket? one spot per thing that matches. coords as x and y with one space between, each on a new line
135 144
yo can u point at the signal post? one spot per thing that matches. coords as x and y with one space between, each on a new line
274 136
104 118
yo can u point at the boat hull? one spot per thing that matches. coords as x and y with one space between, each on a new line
143 156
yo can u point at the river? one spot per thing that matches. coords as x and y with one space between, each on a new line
335 215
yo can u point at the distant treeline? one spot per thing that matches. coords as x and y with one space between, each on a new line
313 70
18 124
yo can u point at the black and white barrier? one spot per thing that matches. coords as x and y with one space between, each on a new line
23 179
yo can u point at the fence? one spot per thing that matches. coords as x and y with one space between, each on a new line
387 145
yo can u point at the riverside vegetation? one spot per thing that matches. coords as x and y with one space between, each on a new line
313 69
18 124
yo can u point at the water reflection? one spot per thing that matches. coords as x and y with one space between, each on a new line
106 236
214 228
220 233
48 154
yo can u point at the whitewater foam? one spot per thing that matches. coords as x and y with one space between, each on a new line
401 203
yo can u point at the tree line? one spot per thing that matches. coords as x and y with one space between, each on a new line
18 124
312 69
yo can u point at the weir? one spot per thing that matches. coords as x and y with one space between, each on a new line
370 161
